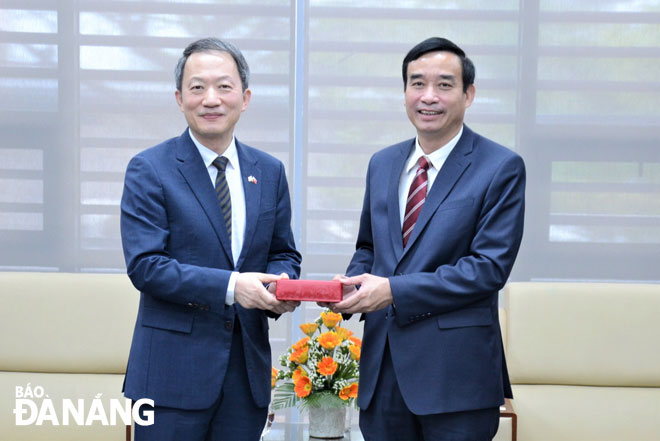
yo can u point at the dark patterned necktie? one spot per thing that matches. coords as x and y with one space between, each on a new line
416 197
222 191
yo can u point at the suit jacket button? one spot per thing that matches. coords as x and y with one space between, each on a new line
228 325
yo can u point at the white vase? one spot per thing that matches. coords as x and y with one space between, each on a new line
327 422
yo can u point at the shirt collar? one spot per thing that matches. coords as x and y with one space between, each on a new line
208 155
437 157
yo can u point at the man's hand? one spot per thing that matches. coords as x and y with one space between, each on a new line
250 293
374 294
346 290
273 286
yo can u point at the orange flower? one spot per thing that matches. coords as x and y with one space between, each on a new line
356 341
309 328
329 340
303 387
300 356
273 377
330 319
355 352
299 372
349 391
327 366
300 344
343 333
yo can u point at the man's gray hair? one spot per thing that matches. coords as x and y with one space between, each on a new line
213 44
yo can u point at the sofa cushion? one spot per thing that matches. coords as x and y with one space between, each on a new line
58 387
59 322
566 413
593 334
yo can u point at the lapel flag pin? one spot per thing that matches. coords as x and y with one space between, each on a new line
252 179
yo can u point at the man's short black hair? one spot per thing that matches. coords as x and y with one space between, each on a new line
437 44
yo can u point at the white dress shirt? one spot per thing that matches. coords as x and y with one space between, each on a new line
436 158
235 183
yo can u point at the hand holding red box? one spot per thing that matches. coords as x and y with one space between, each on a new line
309 290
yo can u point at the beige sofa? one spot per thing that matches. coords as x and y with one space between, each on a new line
70 335
584 360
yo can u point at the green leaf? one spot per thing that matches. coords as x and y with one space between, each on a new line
322 399
284 396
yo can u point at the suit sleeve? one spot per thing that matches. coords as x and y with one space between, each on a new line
145 231
485 268
283 256
363 258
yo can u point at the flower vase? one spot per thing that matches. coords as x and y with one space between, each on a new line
327 422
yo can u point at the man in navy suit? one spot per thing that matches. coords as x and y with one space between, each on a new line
205 223
438 237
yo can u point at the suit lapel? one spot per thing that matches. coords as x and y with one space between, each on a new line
393 209
252 190
455 165
194 172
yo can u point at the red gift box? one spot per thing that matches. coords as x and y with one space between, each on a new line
309 290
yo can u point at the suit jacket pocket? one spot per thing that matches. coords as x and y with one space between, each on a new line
168 319
448 205
465 317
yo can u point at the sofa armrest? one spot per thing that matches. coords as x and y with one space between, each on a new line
506 411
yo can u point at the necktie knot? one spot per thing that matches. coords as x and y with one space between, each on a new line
424 163
221 163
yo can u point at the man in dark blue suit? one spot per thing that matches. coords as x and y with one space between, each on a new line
205 223
441 225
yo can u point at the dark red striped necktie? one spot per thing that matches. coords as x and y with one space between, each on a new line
416 197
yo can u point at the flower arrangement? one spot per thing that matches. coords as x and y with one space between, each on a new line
320 369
